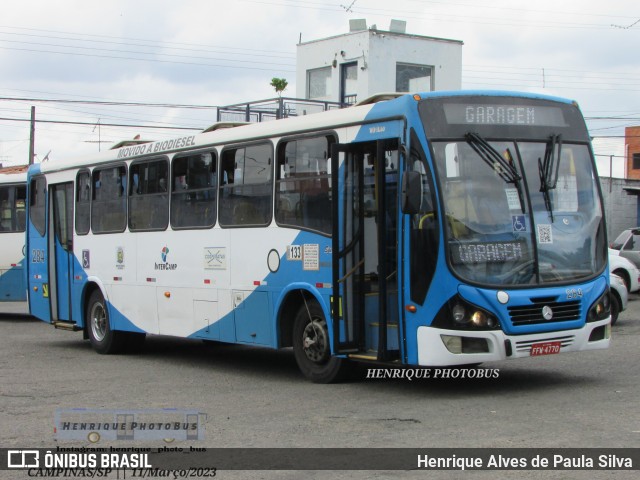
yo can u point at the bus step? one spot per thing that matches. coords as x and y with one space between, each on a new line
373 332
371 356
70 326
364 356
389 324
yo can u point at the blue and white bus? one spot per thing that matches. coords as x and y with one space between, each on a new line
433 229
13 221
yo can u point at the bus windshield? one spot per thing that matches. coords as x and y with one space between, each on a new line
520 212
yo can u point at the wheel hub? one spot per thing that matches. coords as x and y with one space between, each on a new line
98 322
315 341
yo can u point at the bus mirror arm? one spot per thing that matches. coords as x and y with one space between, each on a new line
411 192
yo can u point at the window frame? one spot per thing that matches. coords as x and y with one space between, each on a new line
327 94
431 69
43 229
282 143
77 201
223 187
13 207
167 193
98 169
216 157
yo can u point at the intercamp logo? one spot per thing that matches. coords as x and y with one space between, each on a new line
23 458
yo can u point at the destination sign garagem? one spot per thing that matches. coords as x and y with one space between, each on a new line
517 115
491 252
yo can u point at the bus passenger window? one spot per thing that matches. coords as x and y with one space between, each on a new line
425 230
245 186
302 187
83 203
12 209
194 190
148 199
108 205
37 203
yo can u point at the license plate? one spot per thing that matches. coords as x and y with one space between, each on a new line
546 348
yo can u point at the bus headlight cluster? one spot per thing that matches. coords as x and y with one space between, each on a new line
601 309
462 315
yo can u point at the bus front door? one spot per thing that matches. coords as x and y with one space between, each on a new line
365 249
60 249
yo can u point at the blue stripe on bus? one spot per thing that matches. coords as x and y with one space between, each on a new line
277 286
12 284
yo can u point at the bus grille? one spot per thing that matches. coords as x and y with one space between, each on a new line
531 314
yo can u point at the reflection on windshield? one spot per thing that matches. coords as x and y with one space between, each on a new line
491 228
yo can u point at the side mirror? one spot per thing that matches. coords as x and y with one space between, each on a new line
411 192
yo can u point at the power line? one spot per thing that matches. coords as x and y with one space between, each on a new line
153 42
134 52
154 60
104 102
627 26
62 122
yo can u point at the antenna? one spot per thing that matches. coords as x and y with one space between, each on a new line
349 9
99 141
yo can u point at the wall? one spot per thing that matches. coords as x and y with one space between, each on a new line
621 209
377 53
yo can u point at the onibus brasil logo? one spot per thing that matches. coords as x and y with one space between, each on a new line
165 265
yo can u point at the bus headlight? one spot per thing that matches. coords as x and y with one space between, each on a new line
458 314
601 309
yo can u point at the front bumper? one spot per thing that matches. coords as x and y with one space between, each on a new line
432 351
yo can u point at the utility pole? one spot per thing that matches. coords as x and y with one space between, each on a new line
32 135
610 174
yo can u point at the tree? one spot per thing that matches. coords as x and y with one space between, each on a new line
280 85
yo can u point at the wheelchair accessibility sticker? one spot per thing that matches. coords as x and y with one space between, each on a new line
518 223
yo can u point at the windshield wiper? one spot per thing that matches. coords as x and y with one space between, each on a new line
548 169
503 166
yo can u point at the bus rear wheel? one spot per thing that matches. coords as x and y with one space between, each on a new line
312 349
102 338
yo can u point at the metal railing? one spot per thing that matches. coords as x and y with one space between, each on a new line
273 109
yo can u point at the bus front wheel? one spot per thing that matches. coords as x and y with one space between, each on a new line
312 348
102 338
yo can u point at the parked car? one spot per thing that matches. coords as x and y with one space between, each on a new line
618 297
625 269
627 244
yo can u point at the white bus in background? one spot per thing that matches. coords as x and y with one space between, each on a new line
13 220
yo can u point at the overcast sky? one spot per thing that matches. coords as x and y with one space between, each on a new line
212 52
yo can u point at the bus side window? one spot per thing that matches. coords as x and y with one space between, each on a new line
83 203
21 208
425 230
148 198
246 186
37 203
302 186
108 202
193 191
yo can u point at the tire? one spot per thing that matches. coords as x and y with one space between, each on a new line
134 341
312 349
625 278
615 308
102 338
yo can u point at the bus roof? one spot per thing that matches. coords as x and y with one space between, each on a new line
326 120
17 173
